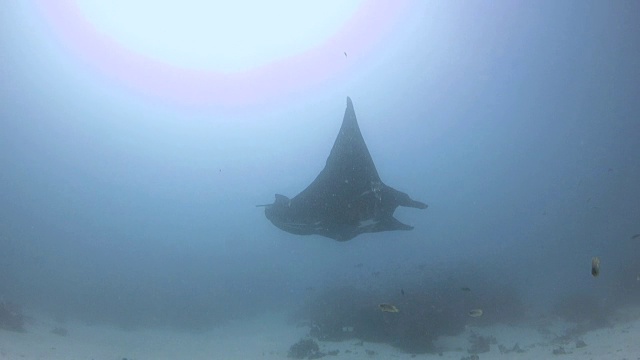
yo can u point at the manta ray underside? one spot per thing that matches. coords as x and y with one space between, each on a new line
347 198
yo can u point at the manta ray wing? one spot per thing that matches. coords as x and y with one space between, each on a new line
347 198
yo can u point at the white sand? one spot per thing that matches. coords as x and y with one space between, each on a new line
269 337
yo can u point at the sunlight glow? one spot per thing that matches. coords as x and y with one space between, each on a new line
227 53
226 36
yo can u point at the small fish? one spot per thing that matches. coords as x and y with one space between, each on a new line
595 266
636 236
476 313
345 54
388 308
402 292
465 289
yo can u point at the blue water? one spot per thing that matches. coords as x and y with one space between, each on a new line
519 125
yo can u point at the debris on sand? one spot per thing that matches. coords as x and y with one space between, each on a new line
580 344
515 349
560 351
305 349
370 352
480 344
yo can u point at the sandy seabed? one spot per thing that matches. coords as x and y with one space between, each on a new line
270 337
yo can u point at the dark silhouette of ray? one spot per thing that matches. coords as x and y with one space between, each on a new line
347 198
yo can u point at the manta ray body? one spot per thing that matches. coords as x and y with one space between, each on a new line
347 198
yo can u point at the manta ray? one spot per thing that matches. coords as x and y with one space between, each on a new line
347 198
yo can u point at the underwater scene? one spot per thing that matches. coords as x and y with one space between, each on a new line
345 179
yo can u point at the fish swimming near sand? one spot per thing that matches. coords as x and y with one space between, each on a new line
388 308
595 266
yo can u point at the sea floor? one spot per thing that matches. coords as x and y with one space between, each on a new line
270 337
